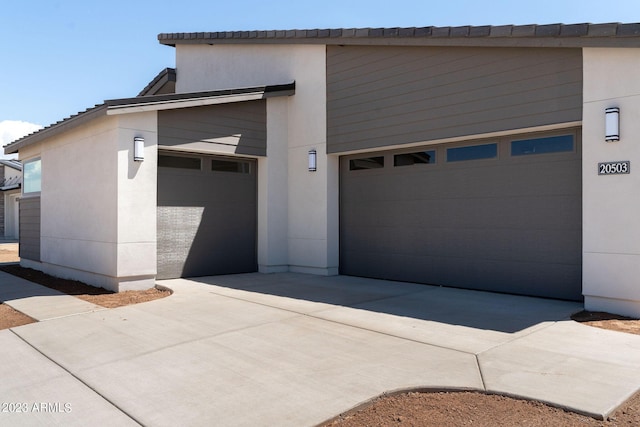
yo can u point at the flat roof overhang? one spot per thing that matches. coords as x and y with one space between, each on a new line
611 34
153 103
198 99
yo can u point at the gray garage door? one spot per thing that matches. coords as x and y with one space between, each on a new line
206 215
501 215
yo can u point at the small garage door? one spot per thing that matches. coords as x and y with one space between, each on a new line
501 215
206 215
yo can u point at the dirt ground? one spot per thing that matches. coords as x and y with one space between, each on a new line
88 293
10 318
9 253
435 409
439 409
411 409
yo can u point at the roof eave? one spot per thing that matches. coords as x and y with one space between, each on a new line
553 35
166 76
152 103
10 187
14 164
196 99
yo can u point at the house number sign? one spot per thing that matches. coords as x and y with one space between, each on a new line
614 168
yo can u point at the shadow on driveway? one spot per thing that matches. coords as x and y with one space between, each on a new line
469 308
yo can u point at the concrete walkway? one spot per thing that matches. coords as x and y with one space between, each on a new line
294 350
39 302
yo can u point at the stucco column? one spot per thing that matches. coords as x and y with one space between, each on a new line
137 185
611 203
273 255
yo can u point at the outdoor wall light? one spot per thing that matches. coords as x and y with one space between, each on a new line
313 160
612 124
138 149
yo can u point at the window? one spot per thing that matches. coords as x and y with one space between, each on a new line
237 166
472 152
552 144
366 163
420 157
179 162
32 176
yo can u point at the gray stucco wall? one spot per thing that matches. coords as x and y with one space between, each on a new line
381 95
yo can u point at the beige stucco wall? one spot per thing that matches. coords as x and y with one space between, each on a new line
273 178
88 187
136 202
611 208
10 172
290 197
11 213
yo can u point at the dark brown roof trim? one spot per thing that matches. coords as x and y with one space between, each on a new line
165 76
277 90
101 109
553 35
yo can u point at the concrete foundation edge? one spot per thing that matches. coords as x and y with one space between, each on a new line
115 284
612 305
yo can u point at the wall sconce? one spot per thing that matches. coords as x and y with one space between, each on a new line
138 149
313 160
612 124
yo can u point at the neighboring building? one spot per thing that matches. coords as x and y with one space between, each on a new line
10 182
456 156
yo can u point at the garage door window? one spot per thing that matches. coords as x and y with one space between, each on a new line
366 163
179 162
552 144
420 157
472 152
229 166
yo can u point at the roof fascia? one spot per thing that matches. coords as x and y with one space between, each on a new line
612 34
152 103
198 99
551 42
168 75
17 165
10 187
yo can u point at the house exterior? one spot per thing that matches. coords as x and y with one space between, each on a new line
10 183
498 158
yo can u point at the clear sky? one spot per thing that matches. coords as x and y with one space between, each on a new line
59 57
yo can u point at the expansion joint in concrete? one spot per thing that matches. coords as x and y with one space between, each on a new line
484 384
79 379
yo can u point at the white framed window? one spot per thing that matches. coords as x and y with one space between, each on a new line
32 176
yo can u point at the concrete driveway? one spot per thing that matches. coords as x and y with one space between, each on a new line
293 350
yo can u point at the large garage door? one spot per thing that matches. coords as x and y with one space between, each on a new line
500 215
206 215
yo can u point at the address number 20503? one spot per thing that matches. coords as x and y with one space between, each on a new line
614 168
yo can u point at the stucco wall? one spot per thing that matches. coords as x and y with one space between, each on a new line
11 215
311 241
2 202
611 208
90 196
10 172
136 202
